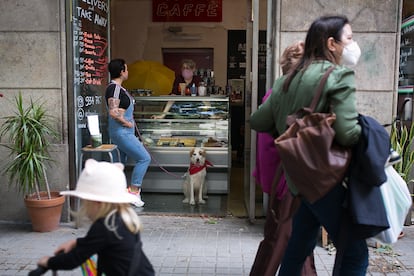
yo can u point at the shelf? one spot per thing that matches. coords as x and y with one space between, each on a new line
216 98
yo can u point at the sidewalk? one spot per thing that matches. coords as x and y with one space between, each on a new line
189 246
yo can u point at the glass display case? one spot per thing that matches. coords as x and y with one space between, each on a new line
170 126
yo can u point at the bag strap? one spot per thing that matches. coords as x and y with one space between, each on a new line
290 119
271 212
319 89
274 203
276 180
117 91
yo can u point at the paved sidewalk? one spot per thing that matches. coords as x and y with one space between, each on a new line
189 246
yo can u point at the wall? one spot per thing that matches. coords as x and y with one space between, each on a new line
375 25
33 54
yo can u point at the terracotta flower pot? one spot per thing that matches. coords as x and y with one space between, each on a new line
45 213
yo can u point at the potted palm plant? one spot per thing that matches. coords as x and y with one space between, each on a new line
402 142
28 134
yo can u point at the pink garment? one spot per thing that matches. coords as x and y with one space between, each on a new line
267 160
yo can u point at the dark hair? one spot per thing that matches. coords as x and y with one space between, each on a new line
115 67
316 42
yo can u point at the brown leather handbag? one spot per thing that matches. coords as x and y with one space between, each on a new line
310 157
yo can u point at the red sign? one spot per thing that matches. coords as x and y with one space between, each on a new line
186 10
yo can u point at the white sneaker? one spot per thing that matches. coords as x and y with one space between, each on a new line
139 202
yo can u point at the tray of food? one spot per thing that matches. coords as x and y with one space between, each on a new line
188 142
211 142
176 142
167 142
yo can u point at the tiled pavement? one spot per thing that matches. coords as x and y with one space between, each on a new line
182 245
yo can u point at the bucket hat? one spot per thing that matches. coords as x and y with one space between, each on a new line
102 181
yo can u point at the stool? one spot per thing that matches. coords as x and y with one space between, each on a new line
104 148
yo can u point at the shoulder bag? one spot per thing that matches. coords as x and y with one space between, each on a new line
310 157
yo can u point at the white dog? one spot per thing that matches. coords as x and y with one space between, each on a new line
194 186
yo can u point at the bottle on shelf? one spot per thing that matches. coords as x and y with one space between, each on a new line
193 90
202 89
181 88
187 91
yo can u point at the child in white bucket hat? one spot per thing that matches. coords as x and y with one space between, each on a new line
114 233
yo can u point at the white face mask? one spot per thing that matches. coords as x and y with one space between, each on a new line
351 54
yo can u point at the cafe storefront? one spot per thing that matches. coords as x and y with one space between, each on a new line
62 57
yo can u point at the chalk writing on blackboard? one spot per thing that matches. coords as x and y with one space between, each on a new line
90 58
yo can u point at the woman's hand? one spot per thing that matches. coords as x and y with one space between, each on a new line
117 113
63 248
128 124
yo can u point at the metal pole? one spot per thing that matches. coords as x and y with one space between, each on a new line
253 107
270 43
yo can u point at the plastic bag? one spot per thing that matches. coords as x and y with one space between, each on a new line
397 202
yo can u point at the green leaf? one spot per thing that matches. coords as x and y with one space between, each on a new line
28 133
402 142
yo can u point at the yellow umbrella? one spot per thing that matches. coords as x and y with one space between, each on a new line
147 74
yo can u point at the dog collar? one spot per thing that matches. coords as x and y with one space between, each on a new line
194 168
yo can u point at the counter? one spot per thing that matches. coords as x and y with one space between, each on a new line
190 122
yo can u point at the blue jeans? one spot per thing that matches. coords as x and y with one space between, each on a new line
130 146
328 212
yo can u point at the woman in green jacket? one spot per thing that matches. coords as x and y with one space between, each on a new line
328 43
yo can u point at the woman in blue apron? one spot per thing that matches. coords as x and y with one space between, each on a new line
121 126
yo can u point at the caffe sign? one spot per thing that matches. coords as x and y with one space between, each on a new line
186 10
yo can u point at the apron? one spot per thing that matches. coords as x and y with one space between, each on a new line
114 127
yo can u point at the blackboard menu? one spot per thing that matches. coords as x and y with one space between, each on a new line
236 63
90 28
236 76
406 72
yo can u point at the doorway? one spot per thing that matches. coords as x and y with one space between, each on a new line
209 51
216 204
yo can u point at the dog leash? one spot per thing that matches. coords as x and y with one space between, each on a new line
155 160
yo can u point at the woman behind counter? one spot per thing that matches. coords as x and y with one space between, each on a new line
188 68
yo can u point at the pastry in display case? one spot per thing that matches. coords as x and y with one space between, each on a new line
170 134
176 142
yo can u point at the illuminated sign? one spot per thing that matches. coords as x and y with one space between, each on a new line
187 10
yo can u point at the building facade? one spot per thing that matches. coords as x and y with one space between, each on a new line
36 50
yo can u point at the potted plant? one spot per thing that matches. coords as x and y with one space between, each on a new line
402 142
28 133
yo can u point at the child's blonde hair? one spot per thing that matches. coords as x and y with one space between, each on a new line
108 211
